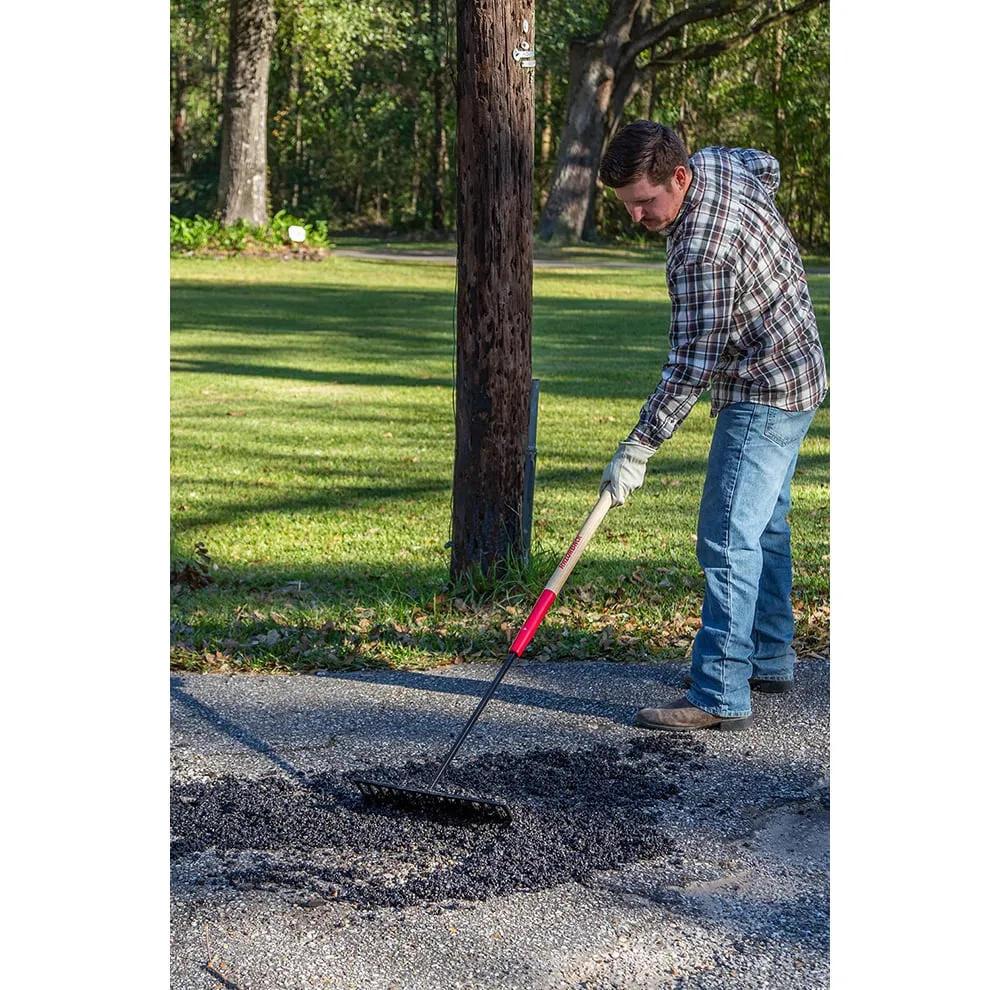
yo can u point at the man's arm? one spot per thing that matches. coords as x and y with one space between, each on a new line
762 166
702 307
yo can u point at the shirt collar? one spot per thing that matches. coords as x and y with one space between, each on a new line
692 198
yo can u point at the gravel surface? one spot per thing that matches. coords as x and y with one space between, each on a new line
634 859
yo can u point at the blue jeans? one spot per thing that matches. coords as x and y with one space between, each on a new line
744 548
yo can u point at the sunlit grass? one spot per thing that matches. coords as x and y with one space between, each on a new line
312 445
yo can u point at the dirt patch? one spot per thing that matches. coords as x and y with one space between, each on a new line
796 834
255 251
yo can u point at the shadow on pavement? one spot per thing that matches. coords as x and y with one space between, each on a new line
230 728
513 694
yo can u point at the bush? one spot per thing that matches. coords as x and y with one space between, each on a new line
197 233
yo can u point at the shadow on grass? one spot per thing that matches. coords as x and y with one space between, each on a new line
599 348
318 500
366 584
335 490
330 331
396 338
219 367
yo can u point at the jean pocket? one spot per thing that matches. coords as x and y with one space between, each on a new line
783 427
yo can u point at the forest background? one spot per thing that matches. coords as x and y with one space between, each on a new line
361 115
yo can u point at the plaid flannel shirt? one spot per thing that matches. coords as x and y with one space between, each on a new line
742 320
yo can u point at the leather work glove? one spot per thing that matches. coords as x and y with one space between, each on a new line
626 470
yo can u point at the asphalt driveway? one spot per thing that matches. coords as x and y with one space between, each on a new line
635 859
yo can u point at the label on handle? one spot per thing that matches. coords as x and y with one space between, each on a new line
569 553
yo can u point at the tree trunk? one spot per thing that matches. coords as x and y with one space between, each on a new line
297 103
416 177
779 106
652 92
438 149
178 127
243 174
679 77
439 139
546 149
591 78
493 361
593 66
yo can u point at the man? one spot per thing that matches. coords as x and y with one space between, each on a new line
742 322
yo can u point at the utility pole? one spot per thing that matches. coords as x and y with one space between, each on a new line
496 127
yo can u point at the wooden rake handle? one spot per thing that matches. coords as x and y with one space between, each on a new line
544 603
561 573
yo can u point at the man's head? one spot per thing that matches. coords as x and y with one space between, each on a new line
647 166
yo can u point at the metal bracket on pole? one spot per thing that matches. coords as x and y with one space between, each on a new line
527 503
525 55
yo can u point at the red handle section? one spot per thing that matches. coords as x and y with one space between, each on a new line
544 603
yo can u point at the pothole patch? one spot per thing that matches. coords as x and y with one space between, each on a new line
574 813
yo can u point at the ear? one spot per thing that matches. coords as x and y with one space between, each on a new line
680 176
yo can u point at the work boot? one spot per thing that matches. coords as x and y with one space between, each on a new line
757 684
682 716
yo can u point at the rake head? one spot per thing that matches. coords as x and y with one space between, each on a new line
433 804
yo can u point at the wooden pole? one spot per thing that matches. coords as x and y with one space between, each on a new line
496 124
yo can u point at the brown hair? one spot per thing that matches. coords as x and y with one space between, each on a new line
642 149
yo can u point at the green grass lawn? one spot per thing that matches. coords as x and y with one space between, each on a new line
311 457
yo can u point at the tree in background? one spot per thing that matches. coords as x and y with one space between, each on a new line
606 74
243 170
336 63
773 95
199 45
272 130
361 124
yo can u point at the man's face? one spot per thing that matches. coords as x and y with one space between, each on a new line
655 206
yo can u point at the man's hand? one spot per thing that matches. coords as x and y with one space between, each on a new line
625 471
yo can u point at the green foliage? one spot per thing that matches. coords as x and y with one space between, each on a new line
774 95
191 235
362 107
199 39
328 39
201 234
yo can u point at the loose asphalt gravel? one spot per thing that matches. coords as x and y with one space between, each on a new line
635 859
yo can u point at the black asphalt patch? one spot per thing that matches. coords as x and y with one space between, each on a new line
574 813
